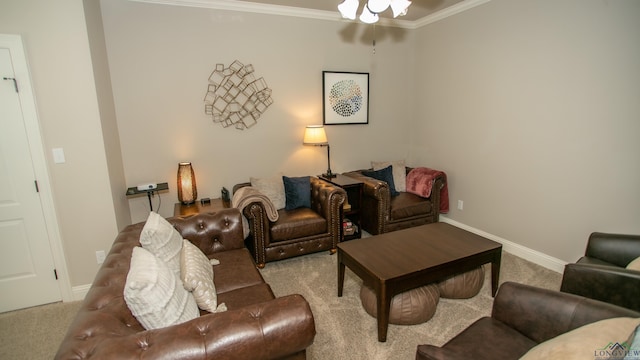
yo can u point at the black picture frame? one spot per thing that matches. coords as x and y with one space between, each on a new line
345 98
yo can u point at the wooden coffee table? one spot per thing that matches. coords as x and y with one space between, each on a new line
398 261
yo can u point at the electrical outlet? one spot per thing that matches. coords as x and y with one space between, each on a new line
460 204
100 256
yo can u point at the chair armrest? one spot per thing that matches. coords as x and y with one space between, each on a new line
238 186
611 284
327 199
438 184
431 352
267 330
541 314
212 232
376 203
256 215
374 188
618 249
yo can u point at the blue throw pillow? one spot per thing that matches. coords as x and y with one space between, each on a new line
297 191
385 175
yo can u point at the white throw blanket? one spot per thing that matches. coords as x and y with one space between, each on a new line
247 195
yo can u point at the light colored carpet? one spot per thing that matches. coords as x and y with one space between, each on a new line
35 333
344 329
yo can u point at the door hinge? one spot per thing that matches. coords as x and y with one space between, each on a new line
36 183
55 273
15 82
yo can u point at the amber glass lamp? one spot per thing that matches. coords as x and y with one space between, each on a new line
187 190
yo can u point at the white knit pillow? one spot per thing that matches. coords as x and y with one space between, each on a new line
162 240
399 172
197 276
581 343
635 264
155 295
273 188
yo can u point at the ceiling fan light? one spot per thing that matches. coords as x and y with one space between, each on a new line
378 6
400 7
368 17
348 9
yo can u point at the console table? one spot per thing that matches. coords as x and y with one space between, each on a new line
149 192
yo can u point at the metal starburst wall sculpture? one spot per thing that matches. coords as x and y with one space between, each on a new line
235 97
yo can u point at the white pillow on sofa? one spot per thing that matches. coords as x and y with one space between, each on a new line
197 277
154 294
581 343
399 172
273 188
634 265
160 238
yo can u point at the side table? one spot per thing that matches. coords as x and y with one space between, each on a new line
215 205
351 208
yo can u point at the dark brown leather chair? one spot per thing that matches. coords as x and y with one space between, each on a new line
601 274
299 231
382 213
522 317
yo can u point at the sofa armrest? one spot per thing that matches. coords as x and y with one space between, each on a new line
212 232
617 249
541 314
611 284
267 330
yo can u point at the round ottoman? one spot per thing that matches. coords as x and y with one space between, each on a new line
409 308
462 286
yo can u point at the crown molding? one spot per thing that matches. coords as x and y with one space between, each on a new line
244 6
450 11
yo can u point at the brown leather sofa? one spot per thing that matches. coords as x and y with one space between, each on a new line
382 213
522 317
601 273
296 232
256 325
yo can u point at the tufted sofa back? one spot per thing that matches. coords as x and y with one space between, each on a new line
213 232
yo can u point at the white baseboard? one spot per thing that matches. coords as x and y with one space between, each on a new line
524 252
80 291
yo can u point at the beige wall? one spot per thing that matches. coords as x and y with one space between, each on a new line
532 108
55 40
161 57
106 106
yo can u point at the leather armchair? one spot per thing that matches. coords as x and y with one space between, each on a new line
522 317
299 231
382 213
601 273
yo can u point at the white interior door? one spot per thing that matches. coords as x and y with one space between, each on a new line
27 275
